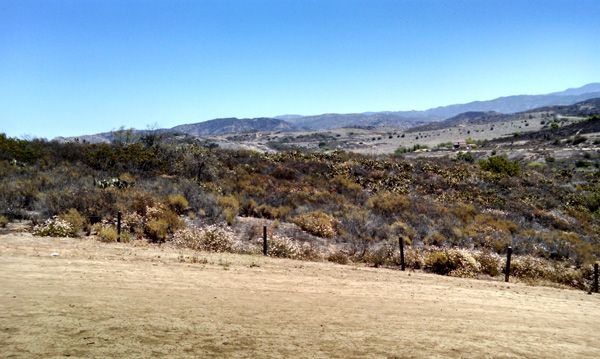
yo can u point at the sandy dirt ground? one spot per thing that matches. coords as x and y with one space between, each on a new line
123 300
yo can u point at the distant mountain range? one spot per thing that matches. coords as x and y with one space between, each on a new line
398 119
583 108
519 103
407 119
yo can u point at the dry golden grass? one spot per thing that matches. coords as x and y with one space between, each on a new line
131 300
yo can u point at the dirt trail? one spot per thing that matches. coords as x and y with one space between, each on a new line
119 300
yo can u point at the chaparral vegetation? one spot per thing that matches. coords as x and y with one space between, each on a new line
457 215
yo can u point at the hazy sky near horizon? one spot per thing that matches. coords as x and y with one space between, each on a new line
71 67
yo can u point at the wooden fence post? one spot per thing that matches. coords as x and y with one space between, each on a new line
265 247
507 270
401 243
119 226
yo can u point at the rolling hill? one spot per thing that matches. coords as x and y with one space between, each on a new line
234 125
214 127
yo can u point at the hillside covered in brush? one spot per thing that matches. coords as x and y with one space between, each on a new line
362 203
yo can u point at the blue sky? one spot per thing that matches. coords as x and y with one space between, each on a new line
83 66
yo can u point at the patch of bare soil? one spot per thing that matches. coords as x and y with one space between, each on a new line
124 300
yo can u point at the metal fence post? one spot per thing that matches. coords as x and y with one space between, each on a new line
507 270
265 247
119 226
401 243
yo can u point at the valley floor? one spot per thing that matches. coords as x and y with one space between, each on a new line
123 300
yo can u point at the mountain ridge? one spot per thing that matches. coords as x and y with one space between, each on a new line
583 108
222 126
504 104
402 120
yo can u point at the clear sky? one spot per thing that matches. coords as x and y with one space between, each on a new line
71 67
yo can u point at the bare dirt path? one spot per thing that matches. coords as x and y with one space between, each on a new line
120 300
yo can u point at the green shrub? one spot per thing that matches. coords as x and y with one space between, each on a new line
231 208
501 165
157 229
465 156
178 203
339 257
529 267
107 233
317 223
534 269
388 203
161 222
438 262
453 262
445 145
490 262
402 150
77 222
126 237
384 255
346 186
535 164
20 150
435 239
3 221
413 258
591 200
141 201
251 209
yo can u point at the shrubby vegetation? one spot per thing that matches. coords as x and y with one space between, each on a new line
76 221
358 204
402 150
106 233
465 156
54 227
285 247
212 239
3 222
318 223
501 165
454 262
